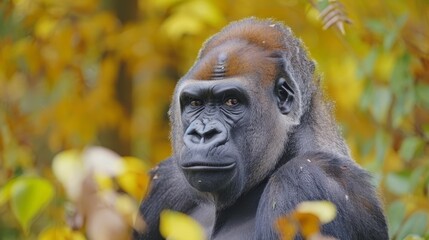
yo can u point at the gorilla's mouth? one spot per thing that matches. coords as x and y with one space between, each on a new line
203 166
209 177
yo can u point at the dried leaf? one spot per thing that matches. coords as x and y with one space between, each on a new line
333 14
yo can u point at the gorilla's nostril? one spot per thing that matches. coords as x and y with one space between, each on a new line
210 134
194 136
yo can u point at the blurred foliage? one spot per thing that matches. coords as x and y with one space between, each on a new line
307 219
179 226
79 73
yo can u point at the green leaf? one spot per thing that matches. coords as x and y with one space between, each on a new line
5 192
366 98
426 130
398 183
379 108
416 224
376 26
322 4
422 92
391 36
382 143
389 40
395 216
409 147
401 78
368 63
416 177
413 237
401 20
403 106
28 197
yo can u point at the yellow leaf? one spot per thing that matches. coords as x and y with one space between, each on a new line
324 210
127 207
164 4
25 7
134 179
309 224
180 24
204 10
384 66
44 27
85 5
345 88
413 237
179 226
5 192
68 169
286 227
104 182
60 233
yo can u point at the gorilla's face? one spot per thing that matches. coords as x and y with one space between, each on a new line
231 114
214 116
229 126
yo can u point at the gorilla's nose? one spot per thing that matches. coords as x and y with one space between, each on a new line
211 134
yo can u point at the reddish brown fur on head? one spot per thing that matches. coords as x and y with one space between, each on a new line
249 47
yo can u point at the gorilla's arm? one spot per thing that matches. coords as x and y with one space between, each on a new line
167 191
323 176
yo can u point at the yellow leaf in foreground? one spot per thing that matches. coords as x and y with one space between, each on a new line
69 170
309 224
60 233
324 210
179 226
287 228
134 179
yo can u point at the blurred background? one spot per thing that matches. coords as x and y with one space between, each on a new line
85 86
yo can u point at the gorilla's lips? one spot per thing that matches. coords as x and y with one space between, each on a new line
208 177
208 166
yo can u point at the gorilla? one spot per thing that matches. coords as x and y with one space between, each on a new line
252 137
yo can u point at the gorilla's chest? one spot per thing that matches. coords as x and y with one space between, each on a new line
234 222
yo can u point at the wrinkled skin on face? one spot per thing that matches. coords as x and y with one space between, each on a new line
231 114
220 151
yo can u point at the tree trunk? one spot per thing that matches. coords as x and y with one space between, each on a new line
119 139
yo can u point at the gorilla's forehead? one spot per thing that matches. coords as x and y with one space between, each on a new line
212 84
237 58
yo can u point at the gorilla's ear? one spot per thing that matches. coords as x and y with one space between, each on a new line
285 96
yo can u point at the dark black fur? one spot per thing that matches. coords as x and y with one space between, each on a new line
326 177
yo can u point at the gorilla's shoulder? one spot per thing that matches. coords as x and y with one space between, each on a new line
323 174
313 164
316 176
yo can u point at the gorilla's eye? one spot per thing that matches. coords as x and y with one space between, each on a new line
196 103
231 102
